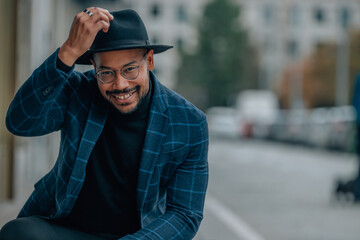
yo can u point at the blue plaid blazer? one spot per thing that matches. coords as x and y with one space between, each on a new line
173 172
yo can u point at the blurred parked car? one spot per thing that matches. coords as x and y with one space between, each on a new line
320 127
278 129
291 126
224 122
259 109
297 121
332 127
343 134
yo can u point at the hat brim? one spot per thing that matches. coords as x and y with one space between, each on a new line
85 58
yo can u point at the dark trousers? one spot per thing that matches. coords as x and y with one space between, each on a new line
34 228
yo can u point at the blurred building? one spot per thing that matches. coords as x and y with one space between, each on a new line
283 31
287 31
170 22
34 29
7 80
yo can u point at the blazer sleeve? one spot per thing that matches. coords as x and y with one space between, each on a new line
39 106
185 196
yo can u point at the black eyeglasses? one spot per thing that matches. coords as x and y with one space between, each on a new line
129 72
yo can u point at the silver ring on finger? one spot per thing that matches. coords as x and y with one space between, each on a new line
88 12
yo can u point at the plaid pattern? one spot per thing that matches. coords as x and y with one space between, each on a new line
173 172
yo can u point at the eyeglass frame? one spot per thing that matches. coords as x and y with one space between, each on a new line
121 72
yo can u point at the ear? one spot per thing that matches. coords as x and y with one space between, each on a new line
150 60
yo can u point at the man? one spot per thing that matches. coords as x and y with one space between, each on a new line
133 154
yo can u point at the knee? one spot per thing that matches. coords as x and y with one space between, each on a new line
9 230
21 228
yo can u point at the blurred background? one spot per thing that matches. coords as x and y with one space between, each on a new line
277 80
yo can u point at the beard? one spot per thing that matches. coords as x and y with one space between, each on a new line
137 89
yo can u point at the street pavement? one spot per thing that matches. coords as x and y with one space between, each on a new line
270 191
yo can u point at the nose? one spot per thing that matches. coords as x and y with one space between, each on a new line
120 82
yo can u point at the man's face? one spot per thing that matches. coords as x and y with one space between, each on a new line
125 94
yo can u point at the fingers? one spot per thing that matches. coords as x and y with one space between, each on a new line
103 20
83 32
105 14
99 17
102 25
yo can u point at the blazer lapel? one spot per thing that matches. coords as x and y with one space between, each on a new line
94 125
155 134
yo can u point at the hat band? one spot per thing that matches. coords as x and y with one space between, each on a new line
124 43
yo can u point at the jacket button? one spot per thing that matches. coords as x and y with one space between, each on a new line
47 91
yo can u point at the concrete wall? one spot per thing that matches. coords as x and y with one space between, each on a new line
7 82
40 26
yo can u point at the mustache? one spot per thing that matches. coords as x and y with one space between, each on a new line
127 90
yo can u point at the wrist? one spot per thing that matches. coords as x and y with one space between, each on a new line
67 55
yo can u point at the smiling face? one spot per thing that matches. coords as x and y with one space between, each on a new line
125 94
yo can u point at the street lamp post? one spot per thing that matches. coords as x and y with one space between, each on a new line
342 61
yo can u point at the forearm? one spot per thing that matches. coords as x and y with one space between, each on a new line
171 225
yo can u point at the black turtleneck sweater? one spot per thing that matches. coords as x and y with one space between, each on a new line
107 205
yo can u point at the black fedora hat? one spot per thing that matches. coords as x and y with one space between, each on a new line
126 31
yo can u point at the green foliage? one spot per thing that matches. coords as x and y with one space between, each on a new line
223 63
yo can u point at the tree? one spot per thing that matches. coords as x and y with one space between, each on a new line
223 64
319 74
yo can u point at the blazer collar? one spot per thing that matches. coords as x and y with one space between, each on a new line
159 102
98 113
155 135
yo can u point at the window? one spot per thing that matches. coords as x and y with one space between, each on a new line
319 15
345 17
269 14
155 10
294 15
292 48
181 13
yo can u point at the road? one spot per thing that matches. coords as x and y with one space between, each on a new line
270 191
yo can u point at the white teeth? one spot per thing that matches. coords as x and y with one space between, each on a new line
123 97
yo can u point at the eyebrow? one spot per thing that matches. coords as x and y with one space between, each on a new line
127 64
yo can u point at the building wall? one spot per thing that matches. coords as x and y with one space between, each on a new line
287 31
172 23
7 82
42 25
284 31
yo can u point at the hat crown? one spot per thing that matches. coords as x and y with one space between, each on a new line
126 31
126 28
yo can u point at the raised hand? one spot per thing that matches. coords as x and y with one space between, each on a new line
83 32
